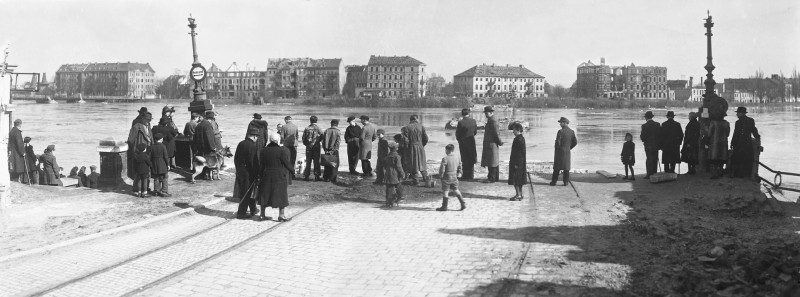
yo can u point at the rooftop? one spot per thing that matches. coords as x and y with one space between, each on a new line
394 60
304 62
500 71
126 66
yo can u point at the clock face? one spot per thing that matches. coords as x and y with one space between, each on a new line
198 73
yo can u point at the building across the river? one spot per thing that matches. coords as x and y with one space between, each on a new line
628 82
768 89
391 77
305 77
106 79
498 81
233 83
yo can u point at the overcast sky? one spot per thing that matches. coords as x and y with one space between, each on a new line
549 37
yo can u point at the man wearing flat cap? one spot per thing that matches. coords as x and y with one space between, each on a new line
671 137
490 157
742 143
351 137
263 129
651 138
246 162
562 157
16 151
141 132
368 135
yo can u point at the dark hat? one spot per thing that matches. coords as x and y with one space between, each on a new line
380 131
398 137
253 131
741 109
141 147
168 108
158 136
210 113
51 147
26 139
364 117
488 109
143 110
287 118
351 118
670 114
17 121
257 116
92 167
465 111
648 115
563 119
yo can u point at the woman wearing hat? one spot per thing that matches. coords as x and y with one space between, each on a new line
51 168
742 143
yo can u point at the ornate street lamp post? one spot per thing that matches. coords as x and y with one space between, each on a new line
198 75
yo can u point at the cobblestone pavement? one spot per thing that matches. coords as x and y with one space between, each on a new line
495 247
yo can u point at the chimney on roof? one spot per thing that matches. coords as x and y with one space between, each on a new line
521 66
602 60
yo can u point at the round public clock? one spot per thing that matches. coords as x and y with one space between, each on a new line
198 73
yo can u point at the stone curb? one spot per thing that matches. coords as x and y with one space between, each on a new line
85 238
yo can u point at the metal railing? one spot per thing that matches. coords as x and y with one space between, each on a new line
777 181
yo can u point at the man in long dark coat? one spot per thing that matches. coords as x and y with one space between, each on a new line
141 132
32 159
263 129
246 161
671 138
691 141
491 146
417 140
562 156
465 134
651 137
205 142
312 137
351 137
742 143
16 151
289 135
368 135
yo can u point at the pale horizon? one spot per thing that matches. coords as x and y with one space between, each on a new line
549 37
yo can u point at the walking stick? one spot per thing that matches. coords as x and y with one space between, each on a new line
530 183
27 173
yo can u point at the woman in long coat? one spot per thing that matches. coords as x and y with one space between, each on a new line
273 190
691 139
51 168
417 139
517 163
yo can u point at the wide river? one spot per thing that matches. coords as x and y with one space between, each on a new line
75 129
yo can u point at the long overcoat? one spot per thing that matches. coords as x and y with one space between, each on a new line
671 138
368 135
717 140
691 139
32 158
466 130
393 169
491 144
741 142
16 151
651 135
169 133
565 141
159 159
204 141
50 168
417 140
246 162
139 133
517 162
273 190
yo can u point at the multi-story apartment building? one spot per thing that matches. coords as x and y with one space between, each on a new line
768 89
498 81
106 79
629 82
395 77
236 84
356 82
305 77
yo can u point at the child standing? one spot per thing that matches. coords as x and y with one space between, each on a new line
628 155
448 172
392 176
383 152
142 164
517 168
160 166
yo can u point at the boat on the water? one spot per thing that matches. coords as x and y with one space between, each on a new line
46 100
501 107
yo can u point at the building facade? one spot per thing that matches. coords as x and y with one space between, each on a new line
769 89
235 84
628 82
305 77
356 81
394 77
106 79
498 81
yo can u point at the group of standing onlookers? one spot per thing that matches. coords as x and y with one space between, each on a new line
27 167
713 140
151 152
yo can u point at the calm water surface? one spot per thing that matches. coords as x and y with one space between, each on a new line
75 129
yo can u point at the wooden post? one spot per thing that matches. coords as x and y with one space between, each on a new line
5 126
